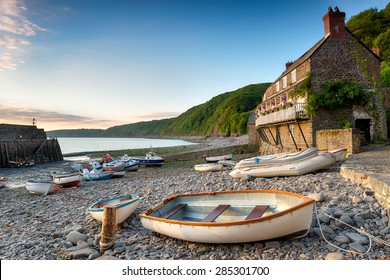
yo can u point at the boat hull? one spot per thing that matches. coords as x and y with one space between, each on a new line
67 180
293 169
277 159
208 167
125 206
292 221
218 158
41 187
104 175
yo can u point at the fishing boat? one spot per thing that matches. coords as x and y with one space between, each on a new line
96 175
218 158
131 164
21 163
113 165
151 159
3 181
235 216
208 167
277 159
41 187
319 162
67 179
125 206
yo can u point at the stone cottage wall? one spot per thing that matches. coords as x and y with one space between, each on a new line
350 60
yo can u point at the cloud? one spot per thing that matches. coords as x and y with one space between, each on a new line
16 28
47 118
158 115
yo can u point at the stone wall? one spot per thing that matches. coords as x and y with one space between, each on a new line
351 61
333 139
12 132
289 137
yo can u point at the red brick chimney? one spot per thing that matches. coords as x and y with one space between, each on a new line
288 64
334 24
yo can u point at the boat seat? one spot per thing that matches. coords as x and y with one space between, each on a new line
257 212
215 213
174 210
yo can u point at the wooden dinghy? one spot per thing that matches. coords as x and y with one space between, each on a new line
67 179
208 167
277 159
41 187
319 162
231 216
125 206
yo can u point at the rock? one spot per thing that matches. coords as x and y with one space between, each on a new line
334 256
357 200
317 196
82 244
95 254
342 239
79 254
365 215
345 219
355 237
75 236
357 247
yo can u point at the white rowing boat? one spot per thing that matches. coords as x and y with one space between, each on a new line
231 216
125 206
41 187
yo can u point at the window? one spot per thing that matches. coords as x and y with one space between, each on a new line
294 76
277 86
284 81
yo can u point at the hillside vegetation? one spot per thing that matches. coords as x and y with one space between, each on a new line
224 115
372 27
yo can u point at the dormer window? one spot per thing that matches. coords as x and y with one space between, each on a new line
294 76
284 81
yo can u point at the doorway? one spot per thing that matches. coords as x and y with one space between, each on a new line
364 125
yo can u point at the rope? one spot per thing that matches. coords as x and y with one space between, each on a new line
104 245
361 230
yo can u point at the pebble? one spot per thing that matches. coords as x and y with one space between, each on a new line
58 226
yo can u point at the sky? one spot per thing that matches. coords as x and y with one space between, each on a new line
99 63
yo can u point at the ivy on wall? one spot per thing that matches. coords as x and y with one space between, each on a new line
335 95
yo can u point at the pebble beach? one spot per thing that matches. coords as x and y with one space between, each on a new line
58 226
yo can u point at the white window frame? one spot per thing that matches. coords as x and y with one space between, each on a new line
277 86
294 76
284 81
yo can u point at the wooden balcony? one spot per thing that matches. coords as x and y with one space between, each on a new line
296 111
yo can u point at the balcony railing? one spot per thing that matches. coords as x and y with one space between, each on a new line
296 111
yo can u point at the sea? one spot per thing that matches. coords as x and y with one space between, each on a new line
70 145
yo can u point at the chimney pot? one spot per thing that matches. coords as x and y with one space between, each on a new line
334 24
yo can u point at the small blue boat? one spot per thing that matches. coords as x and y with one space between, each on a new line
151 159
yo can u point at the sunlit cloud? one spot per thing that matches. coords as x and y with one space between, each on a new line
158 115
16 28
49 119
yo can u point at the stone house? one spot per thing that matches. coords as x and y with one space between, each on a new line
280 121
